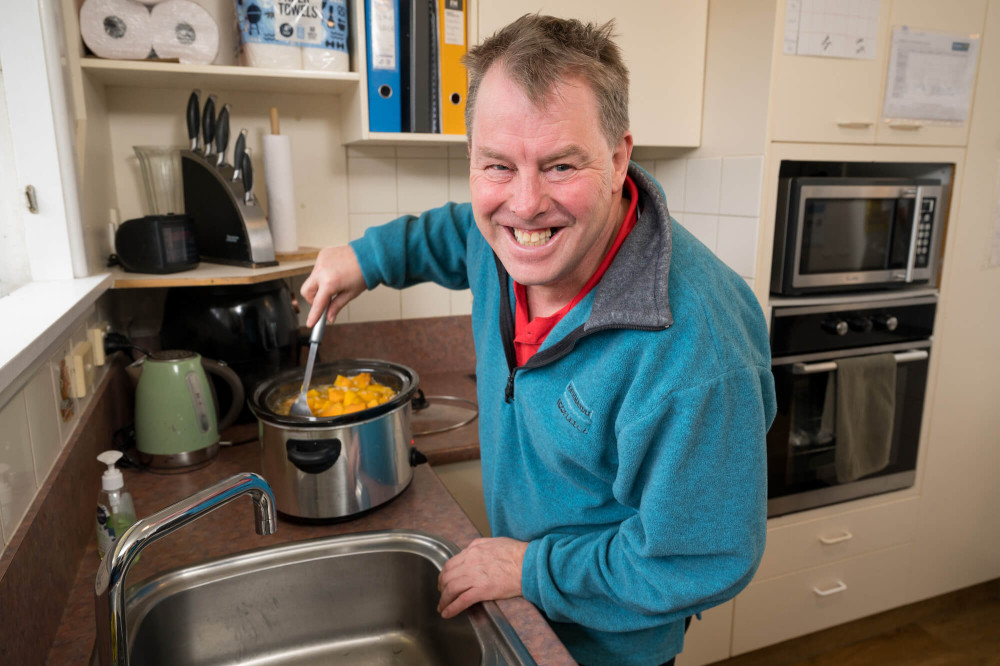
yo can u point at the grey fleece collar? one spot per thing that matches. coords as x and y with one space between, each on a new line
633 291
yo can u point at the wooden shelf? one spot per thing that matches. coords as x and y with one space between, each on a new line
155 74
210 274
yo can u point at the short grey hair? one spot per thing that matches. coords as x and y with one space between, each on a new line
538 52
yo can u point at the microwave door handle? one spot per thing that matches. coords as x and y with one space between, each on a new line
911 257
830 366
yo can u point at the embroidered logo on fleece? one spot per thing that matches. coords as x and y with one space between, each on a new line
574 409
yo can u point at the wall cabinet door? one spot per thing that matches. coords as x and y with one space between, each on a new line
962 17
664 47
828 100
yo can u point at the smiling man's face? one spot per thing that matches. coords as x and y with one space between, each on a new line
546 187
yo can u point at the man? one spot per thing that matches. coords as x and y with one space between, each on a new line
623 372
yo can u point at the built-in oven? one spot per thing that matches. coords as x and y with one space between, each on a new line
805 445
850 233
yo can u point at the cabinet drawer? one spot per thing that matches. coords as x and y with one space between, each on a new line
819 542
775 610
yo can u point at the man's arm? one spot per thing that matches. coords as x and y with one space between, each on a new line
694 472
427 248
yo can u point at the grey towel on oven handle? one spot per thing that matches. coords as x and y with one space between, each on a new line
866 410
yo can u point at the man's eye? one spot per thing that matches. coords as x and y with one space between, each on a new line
562 168
497 167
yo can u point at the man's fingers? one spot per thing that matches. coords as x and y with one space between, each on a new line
318 304
464 600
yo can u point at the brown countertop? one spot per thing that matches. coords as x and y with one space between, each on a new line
425 505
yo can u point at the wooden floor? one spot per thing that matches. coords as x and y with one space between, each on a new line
957 629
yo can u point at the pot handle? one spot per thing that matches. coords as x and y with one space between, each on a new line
235 385
313 456
416 457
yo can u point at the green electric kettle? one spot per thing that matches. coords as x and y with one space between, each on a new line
176 427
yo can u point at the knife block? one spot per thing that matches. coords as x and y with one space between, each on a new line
228 230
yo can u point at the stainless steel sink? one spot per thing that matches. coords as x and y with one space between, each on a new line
357 599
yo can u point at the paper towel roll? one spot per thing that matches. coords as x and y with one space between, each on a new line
184 30
273 56
116 29
280 192
325 60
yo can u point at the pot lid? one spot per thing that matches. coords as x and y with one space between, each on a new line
268 397
435 414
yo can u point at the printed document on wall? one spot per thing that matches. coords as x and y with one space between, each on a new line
931 75
831 28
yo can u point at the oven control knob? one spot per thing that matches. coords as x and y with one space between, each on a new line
860 324
835 326
887 322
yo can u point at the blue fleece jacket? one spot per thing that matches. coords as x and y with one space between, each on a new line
629 452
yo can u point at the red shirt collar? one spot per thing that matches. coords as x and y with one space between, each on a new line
530 334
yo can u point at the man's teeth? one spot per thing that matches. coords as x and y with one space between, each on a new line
532 238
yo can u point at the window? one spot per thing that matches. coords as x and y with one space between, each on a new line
14 269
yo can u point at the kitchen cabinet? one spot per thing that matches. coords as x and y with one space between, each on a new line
839 100
664 49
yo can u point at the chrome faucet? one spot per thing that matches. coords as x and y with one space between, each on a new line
109 590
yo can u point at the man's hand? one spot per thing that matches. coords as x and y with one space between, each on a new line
487 570
336 273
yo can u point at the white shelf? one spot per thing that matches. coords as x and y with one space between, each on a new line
210 274
155 74
395 138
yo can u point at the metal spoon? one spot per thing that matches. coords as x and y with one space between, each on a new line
301 405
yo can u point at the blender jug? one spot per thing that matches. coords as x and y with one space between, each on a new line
161 176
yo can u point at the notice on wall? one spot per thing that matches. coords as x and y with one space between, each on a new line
931 75
833 29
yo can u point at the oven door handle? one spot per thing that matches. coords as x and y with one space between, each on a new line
911 257
830 366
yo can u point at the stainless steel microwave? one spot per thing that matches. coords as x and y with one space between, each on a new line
836 234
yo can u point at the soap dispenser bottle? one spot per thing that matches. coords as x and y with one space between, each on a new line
115 511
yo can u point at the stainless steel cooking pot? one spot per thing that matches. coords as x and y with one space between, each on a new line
334 468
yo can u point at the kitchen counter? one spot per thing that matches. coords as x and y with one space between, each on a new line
425 505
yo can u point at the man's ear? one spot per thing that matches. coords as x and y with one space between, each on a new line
620 159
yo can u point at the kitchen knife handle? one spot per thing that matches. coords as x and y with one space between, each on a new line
193 113
222 135
238 151
247 175
208 124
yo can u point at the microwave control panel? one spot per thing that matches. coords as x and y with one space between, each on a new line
925 230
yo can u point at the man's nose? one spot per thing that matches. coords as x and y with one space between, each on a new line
530 198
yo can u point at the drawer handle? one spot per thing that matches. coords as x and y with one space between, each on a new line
837 589
853 124
829 541
906 127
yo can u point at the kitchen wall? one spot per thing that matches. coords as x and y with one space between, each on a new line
37 419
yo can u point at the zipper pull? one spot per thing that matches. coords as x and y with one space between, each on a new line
508 393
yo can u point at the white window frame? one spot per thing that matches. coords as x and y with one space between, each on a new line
33 51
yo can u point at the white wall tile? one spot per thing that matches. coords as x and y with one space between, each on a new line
371 152
43 422
459 150
702 185
737 243
425 300
704 227
17 469
421 183
372 185
461 302
672 175
741 186
380 304
458 181
422 151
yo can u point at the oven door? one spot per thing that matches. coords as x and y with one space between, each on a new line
802 442
862 235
